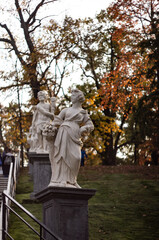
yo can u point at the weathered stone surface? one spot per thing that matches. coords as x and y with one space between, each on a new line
61 138
65 211
68 128
43 113
41 171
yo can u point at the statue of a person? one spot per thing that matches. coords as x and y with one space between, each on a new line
41 116
65 153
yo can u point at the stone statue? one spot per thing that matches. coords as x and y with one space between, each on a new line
44 112
65 134
32 139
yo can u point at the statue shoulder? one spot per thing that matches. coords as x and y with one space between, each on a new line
64 110
62 113
84 111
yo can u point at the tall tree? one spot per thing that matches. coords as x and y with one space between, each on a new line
106 56
96 53
27 41
142 21
32 62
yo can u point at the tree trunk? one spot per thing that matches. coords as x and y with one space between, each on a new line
108 156
31 73
35 86
136 160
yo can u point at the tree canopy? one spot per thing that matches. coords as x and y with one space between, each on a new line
117 54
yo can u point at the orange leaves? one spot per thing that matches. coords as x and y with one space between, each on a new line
126 82
119 92
123 87
137 14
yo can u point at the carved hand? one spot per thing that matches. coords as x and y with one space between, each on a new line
83 130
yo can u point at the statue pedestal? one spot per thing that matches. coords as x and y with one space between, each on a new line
65 211
41 172
30 154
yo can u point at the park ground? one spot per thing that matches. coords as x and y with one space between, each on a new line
125 206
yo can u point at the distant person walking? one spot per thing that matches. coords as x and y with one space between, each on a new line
7 158
83 155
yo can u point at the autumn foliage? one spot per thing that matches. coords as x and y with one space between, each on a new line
117 54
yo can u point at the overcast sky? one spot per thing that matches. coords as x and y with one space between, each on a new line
80 8
73 8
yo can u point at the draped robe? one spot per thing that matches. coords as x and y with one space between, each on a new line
66 151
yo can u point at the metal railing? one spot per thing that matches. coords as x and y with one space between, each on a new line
11 186
6 207
12 178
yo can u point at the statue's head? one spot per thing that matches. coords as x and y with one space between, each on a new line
77 95
41 95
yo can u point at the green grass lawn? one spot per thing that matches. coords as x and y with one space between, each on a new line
17 229
125 207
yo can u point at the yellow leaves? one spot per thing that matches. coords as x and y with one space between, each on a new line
11 121
91 101
107 126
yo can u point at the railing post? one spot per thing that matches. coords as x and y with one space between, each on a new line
6 208
3 216
41 232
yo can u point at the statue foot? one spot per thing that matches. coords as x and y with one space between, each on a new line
63 184
32 150
77 185
41 151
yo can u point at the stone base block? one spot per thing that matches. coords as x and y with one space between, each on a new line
41 172
65 211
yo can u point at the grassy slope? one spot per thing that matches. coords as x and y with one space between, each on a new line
125 206
17 229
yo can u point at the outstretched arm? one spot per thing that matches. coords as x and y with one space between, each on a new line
46 113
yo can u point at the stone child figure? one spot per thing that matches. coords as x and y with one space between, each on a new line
41 116
65 153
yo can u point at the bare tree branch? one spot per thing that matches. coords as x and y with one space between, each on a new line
24 25
12 42
14 85
31 20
